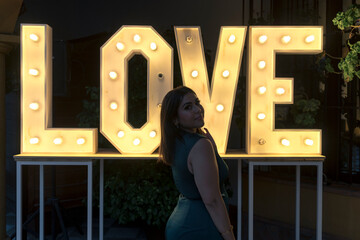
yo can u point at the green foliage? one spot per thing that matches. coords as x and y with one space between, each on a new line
304 111
347 19
350 64
348 22
140 190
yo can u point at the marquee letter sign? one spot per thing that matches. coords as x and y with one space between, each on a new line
218 101
264 89
115 54
37 134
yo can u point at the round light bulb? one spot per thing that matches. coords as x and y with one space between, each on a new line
80 141
34 37
113 105
261 116
34 106
310 39
121 134
280 91
136 141
226 73
152 134
194 74
137 38
261 90
58 141
34 72
120 46
285 142
262 39
153 46
220 108
113 75
309 142
232 38
261 64
285 39
34 140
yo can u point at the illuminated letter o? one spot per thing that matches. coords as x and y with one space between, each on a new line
112 121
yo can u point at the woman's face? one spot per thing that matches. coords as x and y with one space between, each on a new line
190 114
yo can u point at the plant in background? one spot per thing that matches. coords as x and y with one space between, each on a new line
348 22
139 191
304 111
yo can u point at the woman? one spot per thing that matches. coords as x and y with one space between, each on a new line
198 170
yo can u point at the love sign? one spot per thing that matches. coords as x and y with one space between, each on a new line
264 90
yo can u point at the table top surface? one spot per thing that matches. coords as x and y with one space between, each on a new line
113 154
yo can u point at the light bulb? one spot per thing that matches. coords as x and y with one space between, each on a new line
220 108
225 73
261 90
280 91
152 134
261 116
262 39
121 134
285 142
194 74
309 142
136 141
58 141
34 37
285 39
137 38
34 140
261 64
232 38
120 46
113 105
153 46
113 75
80 141
34 72
34 106
309 38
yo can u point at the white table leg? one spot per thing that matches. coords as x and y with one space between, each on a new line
319 201
41 201
239 214
297 204
89 202
18 200
251 199
101 201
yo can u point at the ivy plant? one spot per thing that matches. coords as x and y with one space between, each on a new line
349 65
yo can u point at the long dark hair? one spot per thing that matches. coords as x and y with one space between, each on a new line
169 132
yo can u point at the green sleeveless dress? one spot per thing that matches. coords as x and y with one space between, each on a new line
190 219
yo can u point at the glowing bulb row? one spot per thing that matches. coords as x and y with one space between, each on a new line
136 141
57 141
278 91
120 46
225 73
286 39
286 142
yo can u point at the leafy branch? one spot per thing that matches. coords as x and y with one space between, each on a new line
349 66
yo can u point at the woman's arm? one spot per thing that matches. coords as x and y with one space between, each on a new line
203 165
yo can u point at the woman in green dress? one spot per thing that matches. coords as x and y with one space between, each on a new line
198 170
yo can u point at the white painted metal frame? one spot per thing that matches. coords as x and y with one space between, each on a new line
41 165
319 190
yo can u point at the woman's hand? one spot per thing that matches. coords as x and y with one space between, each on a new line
208 135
